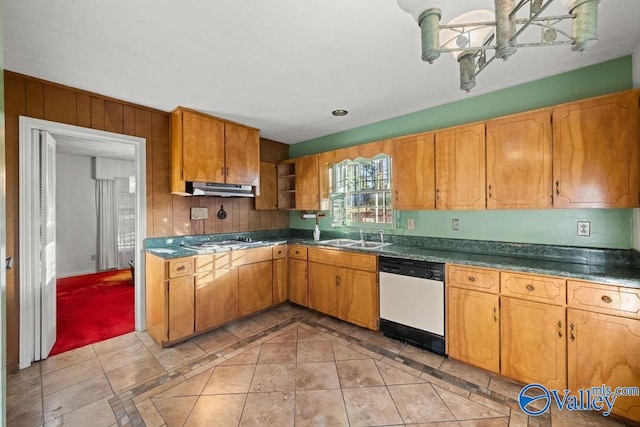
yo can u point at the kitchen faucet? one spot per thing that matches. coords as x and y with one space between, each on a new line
361 235
381 235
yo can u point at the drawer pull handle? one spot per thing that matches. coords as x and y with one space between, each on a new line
572 333
605 299
559 329
181 268
472 279
530 288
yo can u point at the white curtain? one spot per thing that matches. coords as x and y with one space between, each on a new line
107 224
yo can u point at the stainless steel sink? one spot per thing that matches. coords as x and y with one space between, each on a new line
362 244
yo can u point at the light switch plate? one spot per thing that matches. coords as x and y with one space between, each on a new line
199 213
455 224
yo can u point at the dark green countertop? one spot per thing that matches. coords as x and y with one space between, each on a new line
626 274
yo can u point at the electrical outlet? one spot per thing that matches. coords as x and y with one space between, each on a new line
94 257
199 213
584 228
410 223
455 224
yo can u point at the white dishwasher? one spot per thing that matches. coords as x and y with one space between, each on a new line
412 302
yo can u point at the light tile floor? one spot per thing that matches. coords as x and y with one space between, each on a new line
283 367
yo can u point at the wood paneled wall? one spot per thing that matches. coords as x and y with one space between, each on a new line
167 215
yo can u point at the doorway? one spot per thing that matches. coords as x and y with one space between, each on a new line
35 297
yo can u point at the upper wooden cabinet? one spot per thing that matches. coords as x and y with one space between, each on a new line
268 197
208 149
413 172
519 161
460 168
299 183
595 152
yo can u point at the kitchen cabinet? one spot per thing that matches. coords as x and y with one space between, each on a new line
298 287
205 148
604 349
460 168
533 342
414 172
280 291
519 161
473 323
298 183
604 340
595 152
216 298
344 285
268 197
189 295
473 316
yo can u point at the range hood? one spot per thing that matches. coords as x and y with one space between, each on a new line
221 190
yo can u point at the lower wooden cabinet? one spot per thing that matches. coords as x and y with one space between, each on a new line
216 298
190 295
604 349
280 291
344 285
255 287
533 344
473 327
180 307
298 286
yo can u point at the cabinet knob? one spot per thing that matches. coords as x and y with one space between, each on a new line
472 279
181 268
605 299
530 288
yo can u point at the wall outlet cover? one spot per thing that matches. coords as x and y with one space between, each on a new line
411 223
455 224
584 228
199 213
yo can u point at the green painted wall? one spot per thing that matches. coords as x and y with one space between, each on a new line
610 228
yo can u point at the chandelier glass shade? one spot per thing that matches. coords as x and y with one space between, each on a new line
478 37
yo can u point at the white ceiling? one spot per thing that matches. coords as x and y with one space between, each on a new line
90 148
279 65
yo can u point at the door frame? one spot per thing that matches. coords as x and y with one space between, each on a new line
29 232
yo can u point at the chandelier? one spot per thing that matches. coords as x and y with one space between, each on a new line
478 37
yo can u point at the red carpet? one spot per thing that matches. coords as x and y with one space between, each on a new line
93 308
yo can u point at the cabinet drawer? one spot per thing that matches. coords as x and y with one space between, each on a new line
250 256
298 252
344 259
180 267
479 279
534 287
279 251
608 299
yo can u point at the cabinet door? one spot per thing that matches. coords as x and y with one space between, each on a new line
279 280
307 185
298 291
358 297
255 287
242 155
533 342
595 153
519 161
268 198
413 172
473 322
202 148
460 168
604 349
216 298
181 309
323 288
